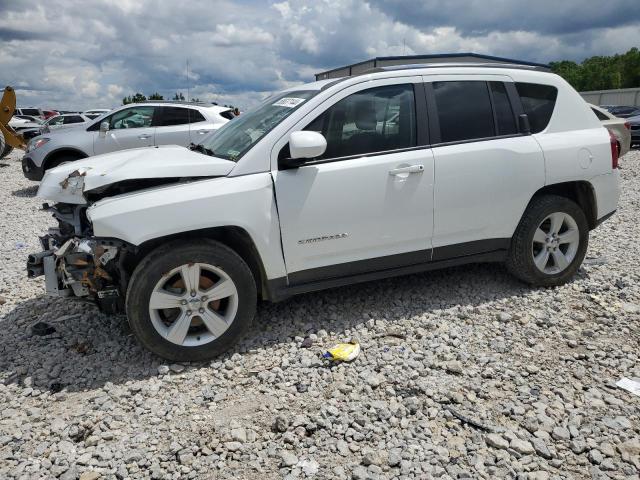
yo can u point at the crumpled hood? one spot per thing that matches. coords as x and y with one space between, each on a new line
67 183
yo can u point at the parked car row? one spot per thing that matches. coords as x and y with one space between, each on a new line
622 111
321 185
618 126
56 123
135 125
632 116
46 114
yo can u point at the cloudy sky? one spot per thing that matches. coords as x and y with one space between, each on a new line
90 53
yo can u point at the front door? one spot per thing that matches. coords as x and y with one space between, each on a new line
367 203
128 128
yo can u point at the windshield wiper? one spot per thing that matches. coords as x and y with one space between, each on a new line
201 148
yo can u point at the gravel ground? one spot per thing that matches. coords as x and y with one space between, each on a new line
464 373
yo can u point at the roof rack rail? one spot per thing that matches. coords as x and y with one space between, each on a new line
415 66
177 102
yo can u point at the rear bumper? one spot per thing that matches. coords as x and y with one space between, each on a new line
31 170
607 192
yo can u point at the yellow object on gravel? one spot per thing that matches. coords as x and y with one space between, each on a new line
343 352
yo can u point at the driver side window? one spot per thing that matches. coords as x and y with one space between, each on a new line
373 120
135 117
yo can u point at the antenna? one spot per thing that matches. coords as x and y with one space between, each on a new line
188 109
187 79
404 46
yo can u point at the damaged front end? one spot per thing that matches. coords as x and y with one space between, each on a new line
75 263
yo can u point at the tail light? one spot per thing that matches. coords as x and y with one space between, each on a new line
614 150
627 125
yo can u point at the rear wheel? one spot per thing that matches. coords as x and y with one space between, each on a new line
6 150
190 302
550 242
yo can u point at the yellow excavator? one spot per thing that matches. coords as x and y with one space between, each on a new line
9 138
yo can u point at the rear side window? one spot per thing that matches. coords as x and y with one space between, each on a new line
31 111
73 119
179 116
228 114
601 116
505 120
464 110
538 102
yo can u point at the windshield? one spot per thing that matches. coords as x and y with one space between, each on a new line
233 140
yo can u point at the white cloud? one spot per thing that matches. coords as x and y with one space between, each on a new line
83 53
231 35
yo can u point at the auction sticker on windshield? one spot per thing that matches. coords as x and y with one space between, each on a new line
289 102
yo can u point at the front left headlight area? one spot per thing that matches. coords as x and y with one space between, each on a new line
36 143
76 263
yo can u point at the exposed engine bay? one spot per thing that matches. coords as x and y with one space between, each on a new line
75 262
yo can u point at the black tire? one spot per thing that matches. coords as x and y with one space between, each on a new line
6 150
520 260
168 257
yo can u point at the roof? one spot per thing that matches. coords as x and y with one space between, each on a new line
428 58
182 103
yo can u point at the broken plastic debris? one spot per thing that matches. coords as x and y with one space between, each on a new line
42 329
343 352
595 261
631 386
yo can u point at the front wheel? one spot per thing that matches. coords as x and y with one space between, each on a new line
6 150
191 301
550 242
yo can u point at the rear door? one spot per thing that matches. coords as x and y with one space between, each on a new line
173 125
128 128
485 170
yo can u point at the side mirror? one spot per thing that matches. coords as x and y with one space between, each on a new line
523 124
305 145
104 128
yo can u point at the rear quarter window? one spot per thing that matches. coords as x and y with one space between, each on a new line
228 114
601 116
538 102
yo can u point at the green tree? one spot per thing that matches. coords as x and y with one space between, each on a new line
570 71
138 97
602 72
178 96
156 96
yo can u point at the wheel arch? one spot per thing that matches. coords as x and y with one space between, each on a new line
581 192
234 237
53 155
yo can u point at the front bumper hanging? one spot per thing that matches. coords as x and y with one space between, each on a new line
81 268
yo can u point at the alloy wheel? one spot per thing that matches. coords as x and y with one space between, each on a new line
555 243
193 304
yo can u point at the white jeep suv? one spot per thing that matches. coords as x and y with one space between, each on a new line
131 126
399 170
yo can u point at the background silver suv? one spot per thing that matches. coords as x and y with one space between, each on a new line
134 125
